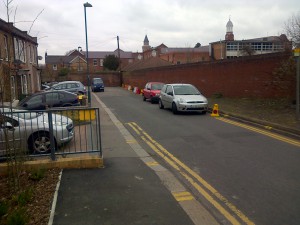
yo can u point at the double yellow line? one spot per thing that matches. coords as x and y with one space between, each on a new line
264 132
204 188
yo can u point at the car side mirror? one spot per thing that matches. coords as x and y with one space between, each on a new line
8 126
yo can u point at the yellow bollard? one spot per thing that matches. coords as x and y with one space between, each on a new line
215 111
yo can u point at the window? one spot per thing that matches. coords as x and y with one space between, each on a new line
256 46
36 100
52 96
101 62
95 62
24 85
5 48
54 67
19 49
231 46
267 47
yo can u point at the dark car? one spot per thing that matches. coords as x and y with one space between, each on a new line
42 100
97 84
152 91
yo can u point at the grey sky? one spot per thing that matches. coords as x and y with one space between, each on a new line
176 23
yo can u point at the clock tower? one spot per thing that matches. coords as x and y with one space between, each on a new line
229 31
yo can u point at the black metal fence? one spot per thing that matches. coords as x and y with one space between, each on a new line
59 131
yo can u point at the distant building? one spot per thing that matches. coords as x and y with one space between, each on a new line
19 70
173 55
230 48
75 62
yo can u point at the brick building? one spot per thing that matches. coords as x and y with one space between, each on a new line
19 70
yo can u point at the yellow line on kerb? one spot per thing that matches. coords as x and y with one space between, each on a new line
257 130
177 164
183 196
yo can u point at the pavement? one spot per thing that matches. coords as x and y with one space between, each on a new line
130 189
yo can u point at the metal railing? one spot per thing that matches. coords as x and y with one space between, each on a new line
57 131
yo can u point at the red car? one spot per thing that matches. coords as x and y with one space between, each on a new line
152 91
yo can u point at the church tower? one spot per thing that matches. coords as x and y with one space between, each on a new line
146 45
229 31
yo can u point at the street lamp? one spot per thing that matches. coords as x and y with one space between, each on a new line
87 54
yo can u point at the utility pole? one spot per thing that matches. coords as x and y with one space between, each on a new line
119 53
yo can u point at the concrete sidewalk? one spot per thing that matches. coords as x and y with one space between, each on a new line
128 190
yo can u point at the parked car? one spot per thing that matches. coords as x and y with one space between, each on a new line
23 128
152 91
49 99
71 86
97 84
182 97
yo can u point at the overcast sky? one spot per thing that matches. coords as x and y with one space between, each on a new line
176 23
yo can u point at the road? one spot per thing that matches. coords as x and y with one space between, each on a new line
242 175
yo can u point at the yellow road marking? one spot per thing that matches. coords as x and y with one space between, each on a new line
183 196
267 133
175 163
130 141
152 163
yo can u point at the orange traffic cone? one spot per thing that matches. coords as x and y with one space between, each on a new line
215 111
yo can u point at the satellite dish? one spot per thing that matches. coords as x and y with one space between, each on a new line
40 57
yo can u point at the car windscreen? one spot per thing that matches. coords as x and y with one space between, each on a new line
185 90
98 81
157 86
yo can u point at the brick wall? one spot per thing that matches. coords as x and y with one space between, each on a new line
111 79
242 77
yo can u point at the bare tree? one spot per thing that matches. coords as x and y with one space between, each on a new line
292 28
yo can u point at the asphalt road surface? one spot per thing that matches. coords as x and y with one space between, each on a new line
241 174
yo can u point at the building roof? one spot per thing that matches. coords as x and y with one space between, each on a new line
10 28
56 59
102 55
173 50
281 38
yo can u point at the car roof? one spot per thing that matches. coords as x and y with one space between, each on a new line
178 84
69 81
52 91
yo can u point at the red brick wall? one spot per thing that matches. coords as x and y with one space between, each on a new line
111 79
241 77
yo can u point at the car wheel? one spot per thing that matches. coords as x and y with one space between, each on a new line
174 108
39 143
160 104
67 105
144 99
203 112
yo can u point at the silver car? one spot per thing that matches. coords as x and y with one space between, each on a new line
22 129
182 97
71 86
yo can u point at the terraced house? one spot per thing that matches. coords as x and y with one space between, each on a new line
19 70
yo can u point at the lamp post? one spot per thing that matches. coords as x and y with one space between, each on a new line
87 55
